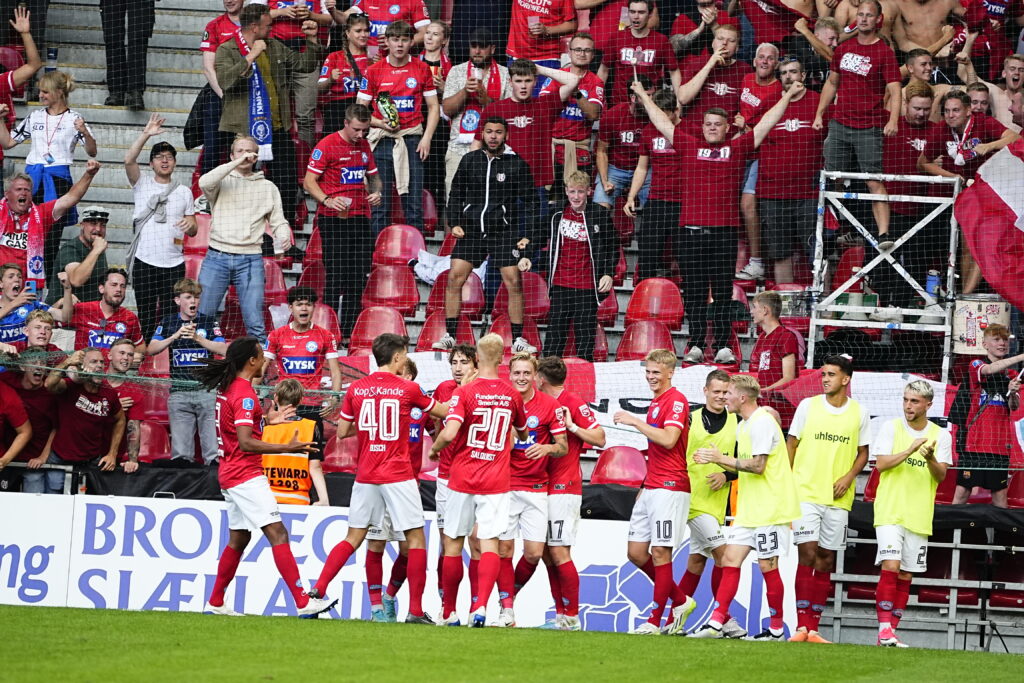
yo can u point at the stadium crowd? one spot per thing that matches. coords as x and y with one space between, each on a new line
542 149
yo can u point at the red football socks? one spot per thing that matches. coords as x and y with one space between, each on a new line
663 586
488 573
569 581
452 576
524 571
688 584
899 604
726 593
399 572
374 576
227 565
335 561
285 562
506 582
803 588
474 578
819 599
417 565
885 595
554 578
775 592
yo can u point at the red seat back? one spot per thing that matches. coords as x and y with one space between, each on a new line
231 322
154 402
448 245
536 304
656 299
314 276
620 465
600 345
275 290
608 311
325 317
434 328
851 258
502 326
200 242
392 286
430 217
472 296
642 337
156 366
154 443
341 455
1015 491
314 247
397 245
372 322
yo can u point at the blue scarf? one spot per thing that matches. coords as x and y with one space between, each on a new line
260 122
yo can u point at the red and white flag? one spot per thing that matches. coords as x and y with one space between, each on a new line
991 216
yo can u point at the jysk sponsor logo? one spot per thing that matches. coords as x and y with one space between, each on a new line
299 366
184 358
103 339
353 175
406 103
377 28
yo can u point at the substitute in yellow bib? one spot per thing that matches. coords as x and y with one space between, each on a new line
292 475
828 447
912 455
711 425
767 505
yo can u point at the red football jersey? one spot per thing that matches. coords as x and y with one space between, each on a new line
652 56
442 394
666 467
524 45
14 233
529 131
488 409
380 405
769 350
302 356
543 422
571 124
624 134
349 84
382 13
94 329
778 177
407 84
238 406
418 421
711 197
343 167
721 89
564 474
756 99
137 410
218 32
663 163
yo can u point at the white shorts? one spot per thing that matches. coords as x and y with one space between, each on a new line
385 532
706 534
898 543
659 517
441 500
767 541
489 513
251 504
563 518
371 502
527 516
824 524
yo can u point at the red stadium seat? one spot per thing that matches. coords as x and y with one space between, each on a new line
851 258
314 247
154 402
608 311
624 225
193 264
656 299
600 345
642 337
1008 569
620 465
430 217
863 564
325 317
313 275
536 304
156 366
472 296
397 245
275 290
200 242
1015 491
154 443
392 286
448 245
502 326
232 324
341 455
374 321
799 324
302 152
619 276
434 328
940 565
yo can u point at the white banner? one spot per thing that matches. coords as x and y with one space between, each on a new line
159 554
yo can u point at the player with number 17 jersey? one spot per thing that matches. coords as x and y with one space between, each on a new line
380 406
488 410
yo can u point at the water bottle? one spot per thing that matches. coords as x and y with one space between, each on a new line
51 59
932 284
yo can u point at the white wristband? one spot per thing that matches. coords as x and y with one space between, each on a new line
574 428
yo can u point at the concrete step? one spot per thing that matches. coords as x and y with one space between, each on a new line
113 176
118 116
213 6
184 56
111 154
157 98
155 77
93 35
88 16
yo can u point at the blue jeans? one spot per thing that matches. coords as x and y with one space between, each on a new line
245 272
622 179
412 203
45 481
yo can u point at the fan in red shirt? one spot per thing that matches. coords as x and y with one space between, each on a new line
13 419
380 405
536 27
687 36
41 410
383 13
658 523
714 81
713 166
132 397
250 502
637 51
343 71
342 177
619 146
481 417
864 75
530 460
565 491
787 192
98 324
775 353
531 119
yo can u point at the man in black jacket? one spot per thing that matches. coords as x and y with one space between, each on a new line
489 191
583 253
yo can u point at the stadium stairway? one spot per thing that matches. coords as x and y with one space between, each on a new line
174 78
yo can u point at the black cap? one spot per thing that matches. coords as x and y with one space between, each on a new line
481 36
160 148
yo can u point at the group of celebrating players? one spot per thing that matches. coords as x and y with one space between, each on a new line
509 465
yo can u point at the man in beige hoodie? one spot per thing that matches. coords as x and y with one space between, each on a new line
241 201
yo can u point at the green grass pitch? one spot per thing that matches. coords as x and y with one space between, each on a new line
57 644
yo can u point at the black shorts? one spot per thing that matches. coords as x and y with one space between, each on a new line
476 248
786 226
984 470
